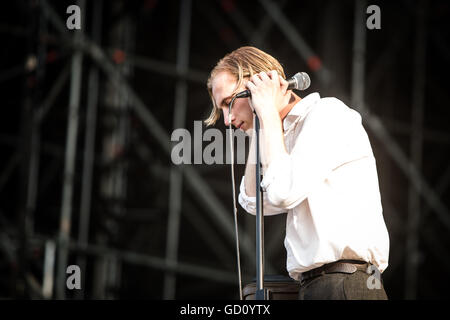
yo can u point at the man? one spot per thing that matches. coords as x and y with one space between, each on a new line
318 167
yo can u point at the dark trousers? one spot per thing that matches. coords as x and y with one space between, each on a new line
342 286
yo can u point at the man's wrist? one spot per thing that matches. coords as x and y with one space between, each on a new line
270 117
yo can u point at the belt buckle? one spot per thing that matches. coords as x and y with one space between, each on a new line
302 279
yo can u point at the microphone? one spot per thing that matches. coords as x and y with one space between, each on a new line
299 81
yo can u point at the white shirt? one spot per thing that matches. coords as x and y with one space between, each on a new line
328 185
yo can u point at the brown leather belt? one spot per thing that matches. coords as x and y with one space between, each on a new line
340 266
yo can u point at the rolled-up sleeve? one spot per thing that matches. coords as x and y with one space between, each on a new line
249 203
277 182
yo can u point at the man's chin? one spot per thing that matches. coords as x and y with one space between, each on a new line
249 131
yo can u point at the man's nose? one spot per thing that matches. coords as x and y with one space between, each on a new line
225 117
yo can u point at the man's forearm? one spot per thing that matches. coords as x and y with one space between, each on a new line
272 145
272 137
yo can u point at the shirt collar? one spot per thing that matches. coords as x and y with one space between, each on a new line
300 110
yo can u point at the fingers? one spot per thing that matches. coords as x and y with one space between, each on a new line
264 76
256 79
284 84
274 75
261 77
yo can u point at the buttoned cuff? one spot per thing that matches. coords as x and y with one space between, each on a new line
249 203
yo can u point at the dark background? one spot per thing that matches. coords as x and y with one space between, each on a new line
405 82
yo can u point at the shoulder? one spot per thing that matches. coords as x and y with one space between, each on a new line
332 105
331 109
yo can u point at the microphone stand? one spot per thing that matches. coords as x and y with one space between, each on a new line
260 292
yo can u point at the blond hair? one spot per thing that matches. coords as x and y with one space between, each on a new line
242 63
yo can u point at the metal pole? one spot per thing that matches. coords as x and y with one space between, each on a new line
359 51
216 20
167 69
49 266
260 32
31 145
69 167
416 144
49 101
89 145
114 142
176 177
260 294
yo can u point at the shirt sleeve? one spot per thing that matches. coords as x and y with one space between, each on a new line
249 203
332 135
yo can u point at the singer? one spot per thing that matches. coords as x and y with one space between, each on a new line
318 167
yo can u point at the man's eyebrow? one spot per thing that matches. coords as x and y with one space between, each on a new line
225 99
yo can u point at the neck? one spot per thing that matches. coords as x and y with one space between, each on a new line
292 102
